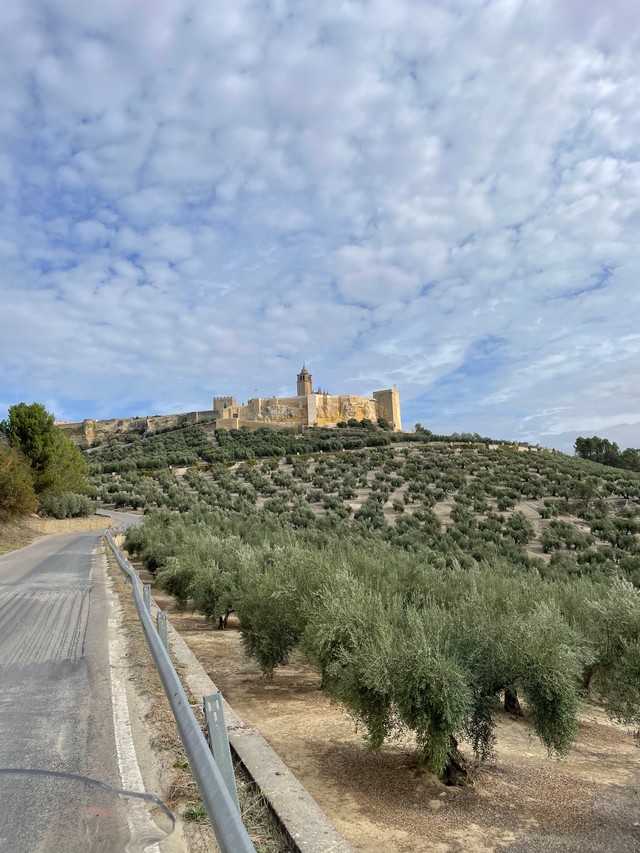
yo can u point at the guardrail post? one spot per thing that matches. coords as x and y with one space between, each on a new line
161 623
146 595
219 741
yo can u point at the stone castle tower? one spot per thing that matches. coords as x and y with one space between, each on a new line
305 382
308 408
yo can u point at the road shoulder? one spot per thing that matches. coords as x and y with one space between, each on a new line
158 751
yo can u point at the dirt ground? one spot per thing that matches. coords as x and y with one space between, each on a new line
523 802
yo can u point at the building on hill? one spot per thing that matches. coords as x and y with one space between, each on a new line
308 408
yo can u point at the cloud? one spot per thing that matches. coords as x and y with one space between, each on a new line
199 196
92 232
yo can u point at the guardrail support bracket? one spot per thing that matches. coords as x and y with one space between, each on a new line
161 623
219 741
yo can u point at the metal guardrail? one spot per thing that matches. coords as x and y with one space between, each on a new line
230 832
214 716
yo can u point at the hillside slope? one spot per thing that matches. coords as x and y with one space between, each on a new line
558 513
427 584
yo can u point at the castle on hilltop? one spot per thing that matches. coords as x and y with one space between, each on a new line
308 408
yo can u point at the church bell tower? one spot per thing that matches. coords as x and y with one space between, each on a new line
305 383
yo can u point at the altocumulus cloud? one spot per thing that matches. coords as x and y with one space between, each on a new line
196 196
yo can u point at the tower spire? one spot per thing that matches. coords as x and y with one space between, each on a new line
304 383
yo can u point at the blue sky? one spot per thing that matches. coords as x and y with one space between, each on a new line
196 197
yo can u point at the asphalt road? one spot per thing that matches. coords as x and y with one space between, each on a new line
55 688
124 519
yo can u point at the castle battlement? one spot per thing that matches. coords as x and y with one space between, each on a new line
308 408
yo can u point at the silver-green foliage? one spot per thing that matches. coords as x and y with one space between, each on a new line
68 505
412 626
275 593
348 634
607 617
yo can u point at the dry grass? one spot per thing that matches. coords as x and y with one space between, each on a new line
15 535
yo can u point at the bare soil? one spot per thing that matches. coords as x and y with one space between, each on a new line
524 801
530 507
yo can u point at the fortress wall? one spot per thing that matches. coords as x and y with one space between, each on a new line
221 403
283 411
312 409
388 403
273 412
91 430
225 414
331 409
74 431
227 423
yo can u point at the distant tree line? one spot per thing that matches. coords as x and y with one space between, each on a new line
424 434
597 449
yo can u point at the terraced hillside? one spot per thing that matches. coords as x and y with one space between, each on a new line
429 584
557 513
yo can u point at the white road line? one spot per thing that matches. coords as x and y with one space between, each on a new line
130 775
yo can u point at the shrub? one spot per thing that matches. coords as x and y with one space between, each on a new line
68 505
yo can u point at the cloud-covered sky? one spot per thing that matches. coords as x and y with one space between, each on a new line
196 197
